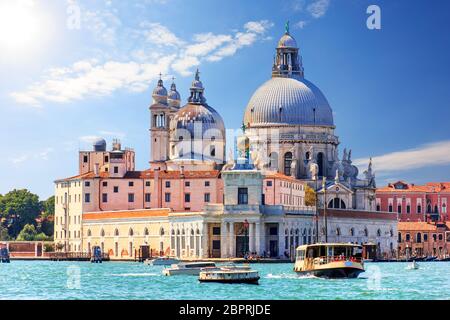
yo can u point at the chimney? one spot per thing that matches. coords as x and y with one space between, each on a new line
96 169
182 171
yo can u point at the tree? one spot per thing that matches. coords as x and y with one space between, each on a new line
47 217
310 196
4 236
48 207
29 233
19 208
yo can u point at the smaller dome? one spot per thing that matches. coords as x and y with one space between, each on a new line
99 144
287 41
174 94
160 90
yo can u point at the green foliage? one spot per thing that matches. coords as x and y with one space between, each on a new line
4 236
49 247
48 207
19 208
29 233
310 196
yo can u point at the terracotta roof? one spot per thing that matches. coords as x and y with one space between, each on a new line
430 187
127 214
280 176
416 226
150 174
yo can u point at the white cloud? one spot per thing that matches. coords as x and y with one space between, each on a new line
318 8
75 83
434 154
19 159
301 24
168 53
160 35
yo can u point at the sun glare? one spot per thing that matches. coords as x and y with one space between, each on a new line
19 25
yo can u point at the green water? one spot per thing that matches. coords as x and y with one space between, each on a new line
67 280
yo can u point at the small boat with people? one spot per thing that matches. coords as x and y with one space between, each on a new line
188 268
230 274
330 260
162 261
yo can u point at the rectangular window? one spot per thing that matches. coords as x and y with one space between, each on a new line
187 197
105 184
87 183
187 184
216 231
85 159
207 197
243 196
131 184
148 197
116 189
216 244
167 184
273 231
87 197
104 197
147 183
106 159
167 197
131 197
116 170
269 183
207 183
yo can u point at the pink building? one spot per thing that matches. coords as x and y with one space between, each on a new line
415 202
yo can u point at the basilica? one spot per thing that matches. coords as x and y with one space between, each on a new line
195 202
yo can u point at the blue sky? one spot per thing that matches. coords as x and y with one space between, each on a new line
61 85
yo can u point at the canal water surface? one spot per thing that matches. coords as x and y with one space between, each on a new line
115 280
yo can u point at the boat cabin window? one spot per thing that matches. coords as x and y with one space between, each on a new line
301 254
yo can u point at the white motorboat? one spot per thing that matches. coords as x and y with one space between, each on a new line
413 266
162 261
190 268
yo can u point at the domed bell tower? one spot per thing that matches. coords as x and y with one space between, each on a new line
163 107
287 62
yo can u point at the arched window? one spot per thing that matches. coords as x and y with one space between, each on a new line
338 231
378 233
419 208
366 232
407 237
320 161
102 233
336 203
131 232
390 209
419 237
161 232
436 209
116 232
308 156
399 237
89 233
146 233
352 232
273 161
287 163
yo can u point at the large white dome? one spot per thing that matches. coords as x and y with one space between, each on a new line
288 101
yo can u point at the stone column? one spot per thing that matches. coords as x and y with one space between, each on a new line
251 237
204 250
232 241
258 239
223 240
281 239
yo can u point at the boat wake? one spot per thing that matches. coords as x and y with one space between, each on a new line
136 275
288 276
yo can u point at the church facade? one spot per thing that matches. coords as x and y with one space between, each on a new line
194 202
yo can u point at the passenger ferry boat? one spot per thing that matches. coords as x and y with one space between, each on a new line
189 268
330 260
229 275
